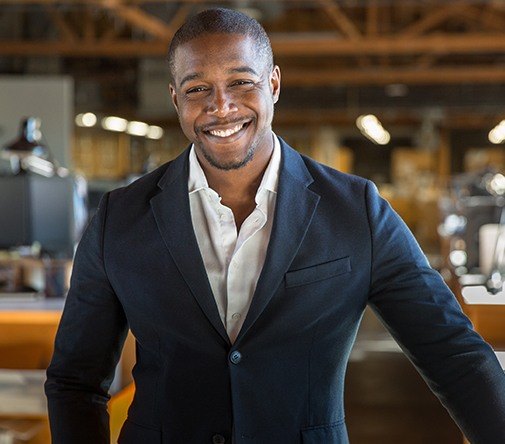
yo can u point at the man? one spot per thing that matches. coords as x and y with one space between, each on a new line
243 269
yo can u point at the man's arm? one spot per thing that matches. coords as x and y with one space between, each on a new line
425 318
87 348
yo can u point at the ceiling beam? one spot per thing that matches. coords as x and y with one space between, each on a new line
339 18
491 17
344 24
138 18
372 18
89 31
138 2
300 45
434 18
179 17
385 76
64 29
314 44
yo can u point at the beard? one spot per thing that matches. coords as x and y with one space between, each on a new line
231 165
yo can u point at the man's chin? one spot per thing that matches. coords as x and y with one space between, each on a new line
228 165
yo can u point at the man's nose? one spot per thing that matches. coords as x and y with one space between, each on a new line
221 103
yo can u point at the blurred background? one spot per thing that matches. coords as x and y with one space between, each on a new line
409 94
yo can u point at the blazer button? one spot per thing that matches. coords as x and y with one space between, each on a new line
235 357
218 439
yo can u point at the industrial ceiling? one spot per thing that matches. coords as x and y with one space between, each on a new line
338 58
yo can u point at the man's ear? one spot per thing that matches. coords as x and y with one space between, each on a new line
173 95
275 83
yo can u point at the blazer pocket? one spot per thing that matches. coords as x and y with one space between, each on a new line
133 433
318 272
328 434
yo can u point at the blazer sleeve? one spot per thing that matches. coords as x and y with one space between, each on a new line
425 318
87 346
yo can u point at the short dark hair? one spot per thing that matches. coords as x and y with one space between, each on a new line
221 21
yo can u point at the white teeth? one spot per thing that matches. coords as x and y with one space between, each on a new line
226 133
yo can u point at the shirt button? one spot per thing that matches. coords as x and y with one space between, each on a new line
235 357
236 316
218 439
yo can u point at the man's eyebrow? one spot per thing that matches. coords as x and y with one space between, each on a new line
242 69
197 75
190 77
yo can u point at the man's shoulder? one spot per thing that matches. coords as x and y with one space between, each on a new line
141 187
149 184
326 177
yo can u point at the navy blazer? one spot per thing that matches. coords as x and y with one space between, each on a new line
335 247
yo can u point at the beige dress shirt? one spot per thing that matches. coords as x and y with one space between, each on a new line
233 261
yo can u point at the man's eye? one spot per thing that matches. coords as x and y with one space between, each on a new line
195 90
242 83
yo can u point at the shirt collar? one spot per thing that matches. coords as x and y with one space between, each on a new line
197 180
270 179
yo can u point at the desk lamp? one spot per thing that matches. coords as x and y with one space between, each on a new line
29 153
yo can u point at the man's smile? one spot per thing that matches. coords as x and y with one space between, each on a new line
228 132
225 131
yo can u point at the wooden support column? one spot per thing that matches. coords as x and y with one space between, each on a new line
444 156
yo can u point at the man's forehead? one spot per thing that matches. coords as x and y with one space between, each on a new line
224 53
222 43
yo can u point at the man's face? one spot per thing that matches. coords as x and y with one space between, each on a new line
224 94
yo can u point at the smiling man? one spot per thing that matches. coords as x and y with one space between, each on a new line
225 103
242 269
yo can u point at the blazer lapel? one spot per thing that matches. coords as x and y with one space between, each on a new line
172 213
295 207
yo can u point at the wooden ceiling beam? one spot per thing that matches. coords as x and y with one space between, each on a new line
64 29
372 18
113 31
491 18
179 17
345 25
426 60
317 45
138 2
434 18
340 19
89 31
385 76
300 45
138 18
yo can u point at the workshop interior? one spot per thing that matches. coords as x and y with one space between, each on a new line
409 94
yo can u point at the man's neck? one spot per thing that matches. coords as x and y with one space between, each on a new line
238 187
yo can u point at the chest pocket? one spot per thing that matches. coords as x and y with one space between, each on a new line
318 272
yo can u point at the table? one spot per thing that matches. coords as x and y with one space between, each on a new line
27 332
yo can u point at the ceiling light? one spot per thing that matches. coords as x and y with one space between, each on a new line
155 132
136 128
85 120
113 123
371 128
497 134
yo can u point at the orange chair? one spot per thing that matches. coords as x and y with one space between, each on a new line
118 410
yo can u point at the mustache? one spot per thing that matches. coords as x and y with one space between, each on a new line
219 123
